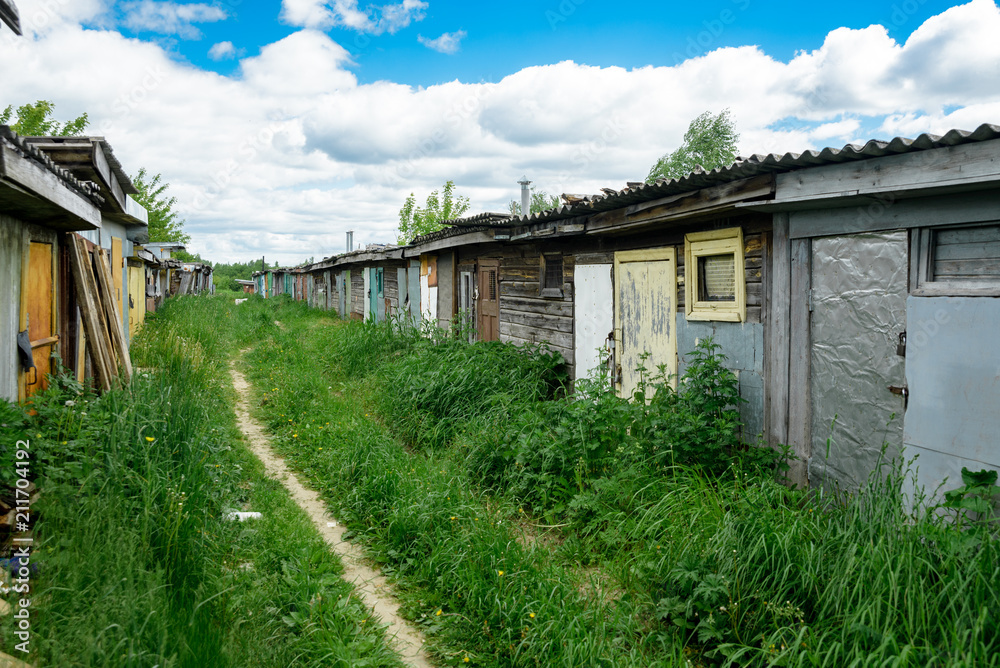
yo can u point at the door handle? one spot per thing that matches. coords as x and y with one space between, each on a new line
902 392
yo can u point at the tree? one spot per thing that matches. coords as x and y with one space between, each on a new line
540 201
440 206
35 120
164 223
710 141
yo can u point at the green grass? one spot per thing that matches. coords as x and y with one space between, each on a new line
136 564
418 447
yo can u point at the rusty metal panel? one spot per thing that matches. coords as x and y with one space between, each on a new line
859 290
743 346
953 377
593 315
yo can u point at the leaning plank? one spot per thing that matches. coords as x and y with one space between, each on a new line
86 289
105 282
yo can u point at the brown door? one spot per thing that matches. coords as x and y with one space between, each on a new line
488 301
39 310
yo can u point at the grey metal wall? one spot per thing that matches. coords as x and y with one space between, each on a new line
743 346
859 291
953 376
446 288
12 240
413 289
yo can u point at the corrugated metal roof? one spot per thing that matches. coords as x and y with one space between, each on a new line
88 189
10 15
756 165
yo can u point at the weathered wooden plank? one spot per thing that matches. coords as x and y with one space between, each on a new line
954 165
799 399
559 340
540 321
86 290
778 335
105 284
872 214
689 203
607 257
538 305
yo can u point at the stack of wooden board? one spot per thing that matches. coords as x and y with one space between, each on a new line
101 321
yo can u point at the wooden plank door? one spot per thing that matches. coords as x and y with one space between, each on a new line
136 300
488 300
117 276
645 315
39 306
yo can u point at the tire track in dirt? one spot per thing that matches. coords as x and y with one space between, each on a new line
372 586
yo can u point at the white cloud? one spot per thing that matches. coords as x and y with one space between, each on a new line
284 156
170 18
448 43
222 51
326 14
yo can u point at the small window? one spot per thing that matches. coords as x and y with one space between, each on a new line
551 269
957 261
714 279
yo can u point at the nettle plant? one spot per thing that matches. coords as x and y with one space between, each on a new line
563 446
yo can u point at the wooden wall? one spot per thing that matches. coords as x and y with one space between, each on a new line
526 316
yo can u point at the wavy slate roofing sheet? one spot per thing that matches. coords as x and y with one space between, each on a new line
760 164
88 189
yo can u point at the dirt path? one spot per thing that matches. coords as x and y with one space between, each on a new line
373 588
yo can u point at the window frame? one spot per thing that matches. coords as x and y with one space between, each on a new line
922 282
704 244
543 265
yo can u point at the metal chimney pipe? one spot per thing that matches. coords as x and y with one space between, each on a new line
350 240
525 196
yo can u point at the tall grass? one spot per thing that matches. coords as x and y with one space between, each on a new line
137 565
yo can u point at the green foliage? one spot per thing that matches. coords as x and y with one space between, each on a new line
225 274
136 564
164 222
440 206
974 500
540 201
35 120
446 381
710 142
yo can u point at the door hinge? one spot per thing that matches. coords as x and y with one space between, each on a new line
811 300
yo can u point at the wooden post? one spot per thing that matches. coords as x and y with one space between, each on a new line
107 287
90 312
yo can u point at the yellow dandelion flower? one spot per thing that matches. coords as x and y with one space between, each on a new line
500 573
531 614
150 439
466 659
438 613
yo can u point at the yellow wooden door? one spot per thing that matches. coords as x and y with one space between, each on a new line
38 309
645 315
116 270
136 299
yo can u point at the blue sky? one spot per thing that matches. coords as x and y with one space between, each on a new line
503 38
282 124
